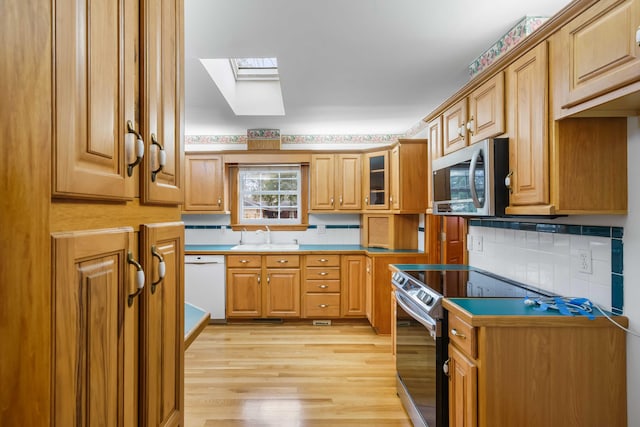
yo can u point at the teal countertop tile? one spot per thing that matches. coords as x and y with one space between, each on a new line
192 316
503 307
305 248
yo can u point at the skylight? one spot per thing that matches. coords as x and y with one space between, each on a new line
255 68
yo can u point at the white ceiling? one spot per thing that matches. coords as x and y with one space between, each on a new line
346 66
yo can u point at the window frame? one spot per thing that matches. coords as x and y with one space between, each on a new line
234 175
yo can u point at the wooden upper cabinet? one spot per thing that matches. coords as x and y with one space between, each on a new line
94 78
162 325
486 110
434 130
454 132
204 183
90 292
162 34
408 176
376 180
527 127
597 52
336 181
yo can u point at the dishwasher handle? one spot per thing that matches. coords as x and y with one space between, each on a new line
198 259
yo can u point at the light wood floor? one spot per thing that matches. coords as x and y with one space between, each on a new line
296 374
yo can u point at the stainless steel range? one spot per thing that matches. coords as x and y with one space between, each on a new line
421 330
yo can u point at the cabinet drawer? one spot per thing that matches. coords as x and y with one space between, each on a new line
322 260
317 273
282 260
322 305
331 285
463 335
243 260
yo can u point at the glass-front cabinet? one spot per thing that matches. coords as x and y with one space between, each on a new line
376 180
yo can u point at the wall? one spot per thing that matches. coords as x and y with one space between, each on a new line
554 257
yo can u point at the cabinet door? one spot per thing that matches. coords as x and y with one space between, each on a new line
376 180
162 325
463 406
204 183
322 182
353 292
95 72
434 129
244 297
369 289
600 52
394 178
486 109
282 293
90 291
349 181
454 132
162 100
527 128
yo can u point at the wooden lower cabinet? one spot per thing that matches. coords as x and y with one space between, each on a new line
257 286
322 285
529 371
90 291
353 289
162 325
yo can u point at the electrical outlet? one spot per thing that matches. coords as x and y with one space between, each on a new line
584 261
477 243
469 242
322 229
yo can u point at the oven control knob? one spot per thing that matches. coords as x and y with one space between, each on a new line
428 300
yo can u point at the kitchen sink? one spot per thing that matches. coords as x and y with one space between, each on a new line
271 247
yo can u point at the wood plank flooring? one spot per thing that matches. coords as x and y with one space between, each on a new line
297 374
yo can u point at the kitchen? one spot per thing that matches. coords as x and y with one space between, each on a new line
29 90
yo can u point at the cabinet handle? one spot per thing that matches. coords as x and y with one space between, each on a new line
366 200
507 181
390 199
162 157
470 125
323 286
139 148
268 279
323 273
219 202
445 367
455 333
244 261
283 261
259 280
461 130
323 260
139 278
340 200
162 269
638 36
331 201
323 305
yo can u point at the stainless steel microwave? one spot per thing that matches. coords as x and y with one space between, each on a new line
470 181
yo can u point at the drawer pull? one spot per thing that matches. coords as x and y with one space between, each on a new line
323 260
244 261
323 286
283 261
455 333
323 273
323 305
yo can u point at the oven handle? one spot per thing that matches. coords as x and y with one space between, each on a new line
426 322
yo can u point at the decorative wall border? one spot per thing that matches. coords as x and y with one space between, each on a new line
614 233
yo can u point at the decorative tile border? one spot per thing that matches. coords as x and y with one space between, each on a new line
614 233
514 36
340 139
215 139
263 133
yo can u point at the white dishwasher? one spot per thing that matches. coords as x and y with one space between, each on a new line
204 283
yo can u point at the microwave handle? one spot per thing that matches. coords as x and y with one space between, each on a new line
472 179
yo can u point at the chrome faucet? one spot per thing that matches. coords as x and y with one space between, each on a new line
242 235
268 234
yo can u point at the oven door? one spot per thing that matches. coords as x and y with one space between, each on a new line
420 354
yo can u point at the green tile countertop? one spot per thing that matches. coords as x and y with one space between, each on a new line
226 249
505 312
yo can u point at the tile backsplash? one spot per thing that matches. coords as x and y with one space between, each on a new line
570 260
